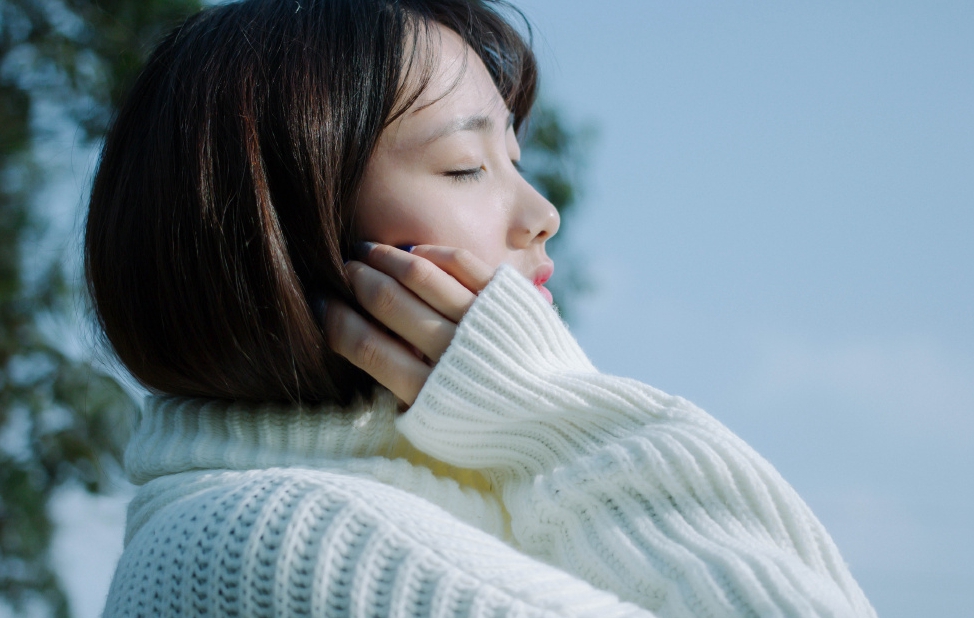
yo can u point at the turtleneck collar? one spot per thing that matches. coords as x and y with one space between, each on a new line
178 434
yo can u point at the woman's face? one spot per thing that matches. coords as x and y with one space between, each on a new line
444 173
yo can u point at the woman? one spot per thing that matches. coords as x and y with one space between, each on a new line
412 432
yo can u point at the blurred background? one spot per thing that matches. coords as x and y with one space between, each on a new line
768 209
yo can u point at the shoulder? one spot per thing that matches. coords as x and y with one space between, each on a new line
310 542
223 541
255 501
299 540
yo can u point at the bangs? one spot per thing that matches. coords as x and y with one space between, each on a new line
483 26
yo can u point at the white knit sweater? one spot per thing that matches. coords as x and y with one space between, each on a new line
522 482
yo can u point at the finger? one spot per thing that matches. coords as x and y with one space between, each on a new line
383 357
464 266
429 282
395 306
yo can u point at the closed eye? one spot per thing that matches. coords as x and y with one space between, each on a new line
466 175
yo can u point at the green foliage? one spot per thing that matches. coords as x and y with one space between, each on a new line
82 54
61 419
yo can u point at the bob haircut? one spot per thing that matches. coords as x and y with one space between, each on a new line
223 201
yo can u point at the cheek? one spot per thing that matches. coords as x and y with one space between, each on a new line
428 213
390 223
391 211
482 233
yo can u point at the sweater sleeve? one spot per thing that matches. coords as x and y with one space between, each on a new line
635 491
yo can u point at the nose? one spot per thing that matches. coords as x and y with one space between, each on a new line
534 219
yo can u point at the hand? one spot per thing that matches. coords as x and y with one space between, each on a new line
419 297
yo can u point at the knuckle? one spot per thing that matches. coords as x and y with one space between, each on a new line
367 353
384 299
418 273
462 258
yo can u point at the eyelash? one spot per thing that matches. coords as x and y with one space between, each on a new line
465 175
475 173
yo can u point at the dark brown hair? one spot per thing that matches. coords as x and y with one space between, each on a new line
223 199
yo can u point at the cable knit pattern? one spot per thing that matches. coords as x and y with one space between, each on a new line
522 482
636 491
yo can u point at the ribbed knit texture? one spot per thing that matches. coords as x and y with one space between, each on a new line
522 482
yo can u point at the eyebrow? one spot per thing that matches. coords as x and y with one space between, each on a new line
484 124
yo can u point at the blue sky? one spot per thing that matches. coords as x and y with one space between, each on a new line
780 222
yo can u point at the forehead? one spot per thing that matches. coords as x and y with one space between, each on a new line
459 87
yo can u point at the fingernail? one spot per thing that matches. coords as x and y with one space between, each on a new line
406 248
319 306
362 248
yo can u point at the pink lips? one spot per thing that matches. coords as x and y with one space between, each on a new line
541 277
547 294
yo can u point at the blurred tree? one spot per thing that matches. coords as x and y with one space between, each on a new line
62 419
